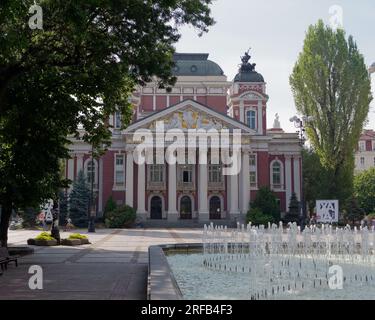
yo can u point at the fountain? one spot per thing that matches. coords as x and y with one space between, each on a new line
277 263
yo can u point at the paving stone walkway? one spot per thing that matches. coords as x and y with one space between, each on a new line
114 266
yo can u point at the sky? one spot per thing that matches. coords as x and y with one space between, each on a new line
275 31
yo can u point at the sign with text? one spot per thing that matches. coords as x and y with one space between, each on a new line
327 211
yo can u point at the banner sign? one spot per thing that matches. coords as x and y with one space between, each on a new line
327 211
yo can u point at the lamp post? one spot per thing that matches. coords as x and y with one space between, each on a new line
299 123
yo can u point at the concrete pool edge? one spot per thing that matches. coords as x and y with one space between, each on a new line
161 284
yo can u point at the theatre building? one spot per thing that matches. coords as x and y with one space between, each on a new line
202 98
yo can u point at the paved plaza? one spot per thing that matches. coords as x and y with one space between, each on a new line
113 266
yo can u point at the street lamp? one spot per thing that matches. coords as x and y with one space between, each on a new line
300 123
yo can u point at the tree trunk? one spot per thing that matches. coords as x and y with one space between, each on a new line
6 212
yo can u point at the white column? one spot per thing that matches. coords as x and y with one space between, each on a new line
79 162
203 212
129 179
297 178
245 174
233 193
288 180
154 100
242 111
141 192
260 117
172 192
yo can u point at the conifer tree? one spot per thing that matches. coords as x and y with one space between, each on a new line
79 201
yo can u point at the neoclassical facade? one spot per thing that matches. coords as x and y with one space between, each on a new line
202 100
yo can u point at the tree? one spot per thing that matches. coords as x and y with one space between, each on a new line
353 211
266 202
332 87
66 79
79 200
364 190
315 178
293 214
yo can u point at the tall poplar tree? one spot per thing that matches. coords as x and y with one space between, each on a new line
331 85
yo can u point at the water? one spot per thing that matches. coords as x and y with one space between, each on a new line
274 263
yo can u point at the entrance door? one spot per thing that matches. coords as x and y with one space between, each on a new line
215 208
156 208
186 208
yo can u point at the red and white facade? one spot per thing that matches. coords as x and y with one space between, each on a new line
201 98
365 154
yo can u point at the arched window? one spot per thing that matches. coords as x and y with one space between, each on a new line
250 118
276 174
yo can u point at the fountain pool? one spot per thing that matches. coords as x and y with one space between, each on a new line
275 263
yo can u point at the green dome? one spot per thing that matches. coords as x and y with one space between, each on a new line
252 76
195 64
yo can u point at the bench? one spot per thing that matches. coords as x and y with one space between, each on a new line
5 258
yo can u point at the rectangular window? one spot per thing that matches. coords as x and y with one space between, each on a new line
214 173
373 145
118 121
362 161
157 173
186 174
276 174
253 178
119 170
250 118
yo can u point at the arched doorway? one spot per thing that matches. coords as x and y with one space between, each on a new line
215 208
185 208
156 208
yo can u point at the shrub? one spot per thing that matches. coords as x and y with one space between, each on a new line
371 216
266 202
256 216
77 236
44 236
121 217
110 206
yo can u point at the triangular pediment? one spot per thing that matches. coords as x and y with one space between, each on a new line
187 115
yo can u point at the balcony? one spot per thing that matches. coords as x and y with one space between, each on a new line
156 186
216 186
185 186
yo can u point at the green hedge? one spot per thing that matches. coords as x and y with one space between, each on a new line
123 216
